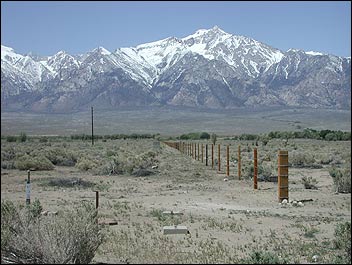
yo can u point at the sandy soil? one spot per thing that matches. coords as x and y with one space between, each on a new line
209 203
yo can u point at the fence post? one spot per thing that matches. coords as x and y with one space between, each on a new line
96 199
282 178
206 154
195 151
202 154
239 162
28 188
219 163
228 161
212 156
255 169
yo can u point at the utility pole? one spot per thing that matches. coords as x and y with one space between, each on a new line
92 129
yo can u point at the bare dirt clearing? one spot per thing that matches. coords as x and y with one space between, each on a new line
227 220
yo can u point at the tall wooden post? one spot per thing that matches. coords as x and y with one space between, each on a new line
239 162
212 155
198 152
255 169
202 154
28 188
206 154
282 177
195 151
92 129
228 161
96 199
219 162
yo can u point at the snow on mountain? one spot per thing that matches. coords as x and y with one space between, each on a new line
209 68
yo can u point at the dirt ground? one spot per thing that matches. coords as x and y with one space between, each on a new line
227 212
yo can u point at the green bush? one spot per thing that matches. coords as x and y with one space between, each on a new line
342 179
70 237
11 138
342 242
27 162
309 182
23 137
262 257
86 164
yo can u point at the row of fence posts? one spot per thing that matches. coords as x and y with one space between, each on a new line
195 149
190 149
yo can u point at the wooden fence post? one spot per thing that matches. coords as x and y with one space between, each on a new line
255 169
282 177
202 154
228 161
206 154
212 156
219 163
239 162
28 188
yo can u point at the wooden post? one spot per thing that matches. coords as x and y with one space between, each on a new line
96 199
206 155
228 161
255 169
92 129
202 154
212 155
239 162
198 152
195 151
282 177
28 188
219 163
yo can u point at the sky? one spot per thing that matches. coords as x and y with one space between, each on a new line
47 27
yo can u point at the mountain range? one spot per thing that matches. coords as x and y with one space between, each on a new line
208 69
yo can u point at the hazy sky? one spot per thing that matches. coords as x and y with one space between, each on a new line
78 26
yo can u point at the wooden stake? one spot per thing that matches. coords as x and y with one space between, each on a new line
228 161
206 155
282 177
219 163
255 169
212 155
202 153
239 162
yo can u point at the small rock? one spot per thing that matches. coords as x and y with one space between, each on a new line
154 167
300 204
226 179
44 213
284 201
294 203
315 258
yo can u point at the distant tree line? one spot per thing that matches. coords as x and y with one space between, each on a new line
195 136
327 135
113 136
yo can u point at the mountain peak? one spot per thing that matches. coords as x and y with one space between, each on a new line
101 50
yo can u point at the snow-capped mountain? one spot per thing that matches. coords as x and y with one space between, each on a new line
210 68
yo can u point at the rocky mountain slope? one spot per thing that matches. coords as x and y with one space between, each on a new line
210 68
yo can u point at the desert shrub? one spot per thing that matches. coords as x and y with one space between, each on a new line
43 139
26 162
342 179
86 163
309 182
342 242
263 170
67 182
300 159
58 156
70 237
23 137
263 257
11 138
